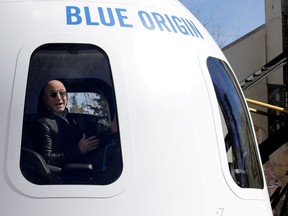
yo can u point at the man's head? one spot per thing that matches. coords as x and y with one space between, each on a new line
55 96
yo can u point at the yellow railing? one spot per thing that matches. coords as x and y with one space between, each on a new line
266 105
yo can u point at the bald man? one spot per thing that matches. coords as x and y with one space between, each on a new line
54 135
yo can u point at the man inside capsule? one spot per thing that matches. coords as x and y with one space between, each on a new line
60 141
56 136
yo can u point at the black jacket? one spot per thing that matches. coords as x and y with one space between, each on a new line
56 138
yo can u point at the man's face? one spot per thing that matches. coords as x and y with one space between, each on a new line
55 96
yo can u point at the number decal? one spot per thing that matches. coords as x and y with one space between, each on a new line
220 212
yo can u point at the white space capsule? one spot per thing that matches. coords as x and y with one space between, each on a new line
150 83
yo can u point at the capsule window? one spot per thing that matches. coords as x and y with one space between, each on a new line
70 124
242 156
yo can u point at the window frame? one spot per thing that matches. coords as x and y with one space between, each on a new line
239 137
14 175
242 193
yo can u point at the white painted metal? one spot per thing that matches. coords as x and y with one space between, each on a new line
171 137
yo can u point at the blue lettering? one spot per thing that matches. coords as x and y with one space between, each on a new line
111 21
148 22
122 17
188 28
88 17
160 21
151 21
72 15
194 29
102 16
170 22
181 28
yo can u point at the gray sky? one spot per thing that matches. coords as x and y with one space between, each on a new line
235 17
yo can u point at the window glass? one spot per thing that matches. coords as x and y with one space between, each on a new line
70 127
92 104
240 146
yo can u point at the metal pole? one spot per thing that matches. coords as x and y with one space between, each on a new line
269 106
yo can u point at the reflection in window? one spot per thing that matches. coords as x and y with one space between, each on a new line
240 145
50 151
90 103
